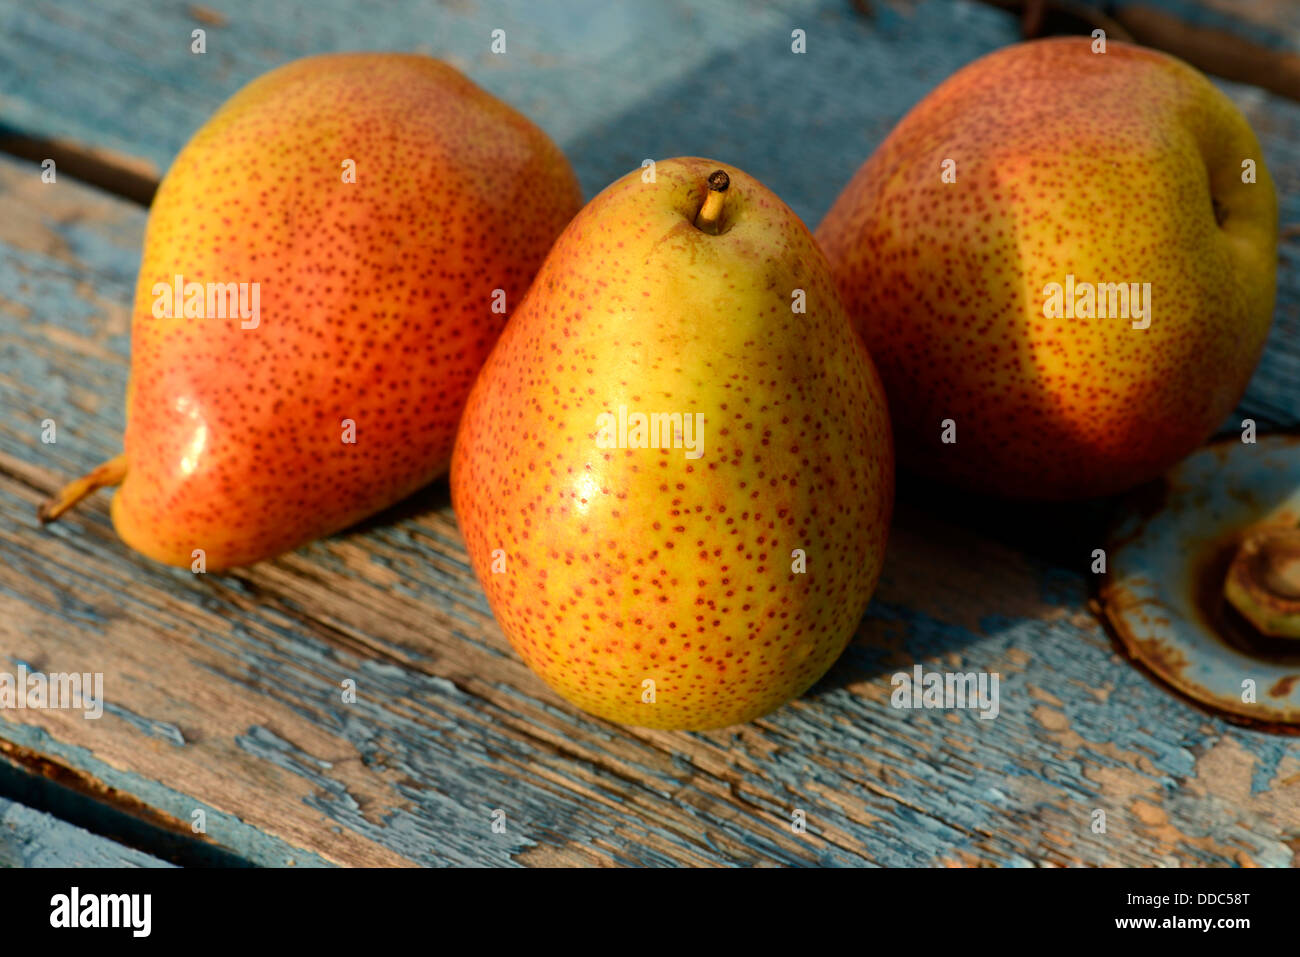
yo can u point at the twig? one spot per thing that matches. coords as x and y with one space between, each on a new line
1212 51
1041 17
1215 51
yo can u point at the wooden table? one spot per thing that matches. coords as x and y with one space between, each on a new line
224 690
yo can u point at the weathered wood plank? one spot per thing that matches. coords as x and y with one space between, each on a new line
225 690
30 838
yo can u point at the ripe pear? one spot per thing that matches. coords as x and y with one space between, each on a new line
381 213
975 252
675 473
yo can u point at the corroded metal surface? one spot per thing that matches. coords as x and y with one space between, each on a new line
1167 558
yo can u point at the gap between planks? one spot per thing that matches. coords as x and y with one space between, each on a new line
128 177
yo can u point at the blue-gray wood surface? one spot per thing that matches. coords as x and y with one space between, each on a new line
224 691
31 838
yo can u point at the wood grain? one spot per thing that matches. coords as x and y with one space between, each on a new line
225 691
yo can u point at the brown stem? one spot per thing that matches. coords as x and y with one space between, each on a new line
111 472
711 212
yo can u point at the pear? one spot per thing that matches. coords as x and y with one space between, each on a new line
675 472
1064 260
326 266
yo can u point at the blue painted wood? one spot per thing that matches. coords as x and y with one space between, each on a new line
225 689
30 838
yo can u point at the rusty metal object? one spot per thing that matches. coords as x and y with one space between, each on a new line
1167 565
1263 582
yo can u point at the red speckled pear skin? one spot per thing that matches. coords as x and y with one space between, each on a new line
1108 167
375 300
611 567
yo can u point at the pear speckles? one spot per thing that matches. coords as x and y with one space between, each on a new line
1042 163
645 585
382 204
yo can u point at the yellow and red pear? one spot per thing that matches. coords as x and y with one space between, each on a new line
1054 167
382 212
705 577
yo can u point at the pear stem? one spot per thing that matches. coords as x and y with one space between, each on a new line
711 212
111 472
